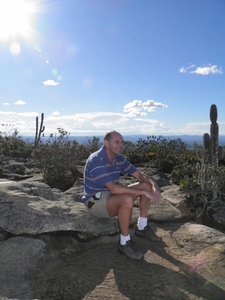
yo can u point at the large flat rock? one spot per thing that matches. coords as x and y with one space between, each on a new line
34 208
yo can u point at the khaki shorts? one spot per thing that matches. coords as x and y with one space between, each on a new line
98 208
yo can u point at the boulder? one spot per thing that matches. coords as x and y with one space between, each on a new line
204 249
17 169
35 208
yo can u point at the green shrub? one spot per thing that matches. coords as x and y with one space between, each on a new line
12 145
199 182
184 166
159 152
93 144
59 159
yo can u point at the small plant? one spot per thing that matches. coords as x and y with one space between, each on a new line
59 159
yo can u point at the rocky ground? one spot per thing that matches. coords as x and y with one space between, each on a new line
189 262
185 265
165 272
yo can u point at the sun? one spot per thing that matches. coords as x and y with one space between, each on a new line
16 18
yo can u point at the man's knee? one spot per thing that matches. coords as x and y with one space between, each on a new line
128 200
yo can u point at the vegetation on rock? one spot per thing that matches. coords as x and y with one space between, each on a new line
199 171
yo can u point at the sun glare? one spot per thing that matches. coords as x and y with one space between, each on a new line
16 18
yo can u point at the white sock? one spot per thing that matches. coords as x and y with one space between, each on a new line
124 239
142 223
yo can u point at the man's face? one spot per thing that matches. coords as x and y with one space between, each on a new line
115 145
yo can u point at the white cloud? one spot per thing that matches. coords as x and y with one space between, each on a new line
98 123
28 114
50 82
208 70
55 113
25 114
20 102
5 103
183 70
135 107
204 70
198 128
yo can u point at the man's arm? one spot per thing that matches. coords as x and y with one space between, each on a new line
143 177
153 194
122 189
155 188
117 189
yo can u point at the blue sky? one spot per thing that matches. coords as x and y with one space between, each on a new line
149 67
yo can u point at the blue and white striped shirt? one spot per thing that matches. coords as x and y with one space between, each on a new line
98 171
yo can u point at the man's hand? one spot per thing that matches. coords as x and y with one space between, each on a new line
157 192
154 194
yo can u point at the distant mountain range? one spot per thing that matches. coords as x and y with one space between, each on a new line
188 139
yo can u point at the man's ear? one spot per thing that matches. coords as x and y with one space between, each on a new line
106 143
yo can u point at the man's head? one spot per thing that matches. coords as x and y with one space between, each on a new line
110 134
113 142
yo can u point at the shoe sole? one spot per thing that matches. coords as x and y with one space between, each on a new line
121 252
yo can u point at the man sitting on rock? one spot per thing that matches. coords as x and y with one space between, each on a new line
105 197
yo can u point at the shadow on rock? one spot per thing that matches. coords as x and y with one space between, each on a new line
103 273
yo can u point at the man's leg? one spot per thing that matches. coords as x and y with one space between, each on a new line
121 206
143 230
144 203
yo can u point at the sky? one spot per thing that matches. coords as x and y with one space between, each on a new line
149 67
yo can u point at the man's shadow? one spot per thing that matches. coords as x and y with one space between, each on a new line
74 275
144 280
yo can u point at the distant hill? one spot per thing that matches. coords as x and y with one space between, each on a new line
188 139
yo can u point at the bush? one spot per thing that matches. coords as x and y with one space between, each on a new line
201 180
12 145
185 166
59 159
93 144
159 152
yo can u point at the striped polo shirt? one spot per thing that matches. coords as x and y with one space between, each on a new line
99 170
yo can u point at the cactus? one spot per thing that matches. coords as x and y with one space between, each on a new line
214 131
220 151
207 146
211 142
213 151
41 130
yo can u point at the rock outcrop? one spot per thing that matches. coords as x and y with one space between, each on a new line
51 248
35 208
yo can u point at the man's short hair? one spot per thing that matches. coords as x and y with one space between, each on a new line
109 134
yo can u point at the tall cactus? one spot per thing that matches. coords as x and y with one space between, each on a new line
214 131
211 142
207 146
212 149
38 132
